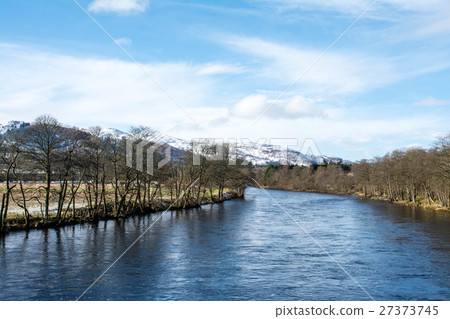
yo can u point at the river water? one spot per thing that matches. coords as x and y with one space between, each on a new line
239 250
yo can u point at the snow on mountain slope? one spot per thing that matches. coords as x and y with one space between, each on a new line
12 125
256 154
260 155
272 154
113 132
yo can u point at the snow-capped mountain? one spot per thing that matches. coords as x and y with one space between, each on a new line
113 132
266 154
13 125
256 154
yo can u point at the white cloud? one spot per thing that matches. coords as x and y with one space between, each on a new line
431 101
300 106
344 135
113 93
357 6
250 106
219 68
118 6
219 121
436 25
348 135
412 18
88 91
335 73
124 41
348 6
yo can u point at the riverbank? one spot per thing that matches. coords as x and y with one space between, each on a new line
83 215
419 203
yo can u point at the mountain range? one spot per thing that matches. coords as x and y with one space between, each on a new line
256 154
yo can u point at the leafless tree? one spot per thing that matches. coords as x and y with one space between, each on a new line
42 141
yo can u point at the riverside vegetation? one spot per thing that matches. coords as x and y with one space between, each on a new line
417 176
73 176
53 175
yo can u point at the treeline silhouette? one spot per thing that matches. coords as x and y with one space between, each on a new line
418 176
74 175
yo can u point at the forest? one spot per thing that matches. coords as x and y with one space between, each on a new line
415 176
52 174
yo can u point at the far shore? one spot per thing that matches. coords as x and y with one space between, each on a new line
420 203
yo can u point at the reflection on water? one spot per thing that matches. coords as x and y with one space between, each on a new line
239 250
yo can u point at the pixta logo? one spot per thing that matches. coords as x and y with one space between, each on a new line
143 151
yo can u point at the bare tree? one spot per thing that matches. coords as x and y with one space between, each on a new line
9 152
42 141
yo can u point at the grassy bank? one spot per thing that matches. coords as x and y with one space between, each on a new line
420 202
17 221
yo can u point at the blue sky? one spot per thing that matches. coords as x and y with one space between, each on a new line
384 85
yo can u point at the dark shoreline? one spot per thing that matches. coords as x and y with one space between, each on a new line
435 208
52 223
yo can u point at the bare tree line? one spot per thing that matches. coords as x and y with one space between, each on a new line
84 174
417 176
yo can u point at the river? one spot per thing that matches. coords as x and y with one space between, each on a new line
240 250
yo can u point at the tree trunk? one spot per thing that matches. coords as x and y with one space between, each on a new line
47 191
24 203
1 211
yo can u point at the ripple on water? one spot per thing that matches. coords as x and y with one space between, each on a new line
239 250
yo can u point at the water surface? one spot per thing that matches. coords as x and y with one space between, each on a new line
239 250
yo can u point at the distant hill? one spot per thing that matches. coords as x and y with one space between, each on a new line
257 155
